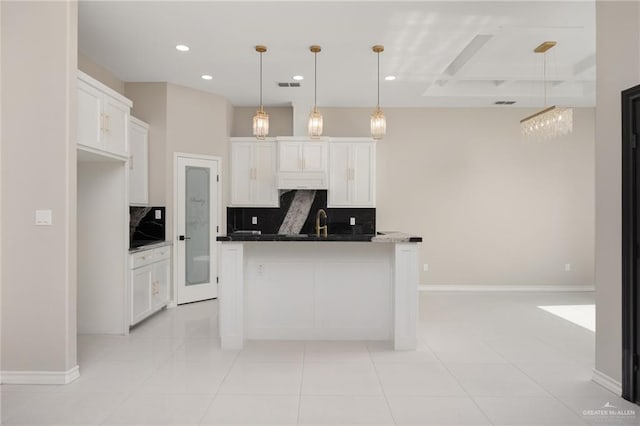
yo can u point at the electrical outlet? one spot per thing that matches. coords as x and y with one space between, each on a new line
567 267
352 221
43 217
425 267
254 220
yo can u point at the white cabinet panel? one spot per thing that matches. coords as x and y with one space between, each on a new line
264 159
314 157
89 116
141 280
103 117
352 174
302 164
116 118
289 154
339 174
160 284
150 281
241 173
138 162
253 173
269 297
363 174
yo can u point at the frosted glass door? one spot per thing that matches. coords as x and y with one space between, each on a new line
197 228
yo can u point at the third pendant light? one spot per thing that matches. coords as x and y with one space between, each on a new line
315 118
378 120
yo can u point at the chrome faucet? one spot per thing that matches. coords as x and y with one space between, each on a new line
323 228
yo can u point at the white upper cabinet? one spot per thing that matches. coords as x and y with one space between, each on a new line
352 173
302 163
253 173
103 117
138 162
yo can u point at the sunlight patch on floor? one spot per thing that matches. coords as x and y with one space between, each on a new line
582 315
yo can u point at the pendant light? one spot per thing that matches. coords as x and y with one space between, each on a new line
378 121
315 118
261 119
552 121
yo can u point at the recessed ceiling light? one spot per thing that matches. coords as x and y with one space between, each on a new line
298 77
390 77
207 77
182 48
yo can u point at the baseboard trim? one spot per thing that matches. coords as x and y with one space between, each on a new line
522 288
607 382
39 377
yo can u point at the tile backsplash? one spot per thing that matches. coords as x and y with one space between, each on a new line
297 215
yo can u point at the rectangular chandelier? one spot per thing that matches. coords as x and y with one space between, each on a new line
548 123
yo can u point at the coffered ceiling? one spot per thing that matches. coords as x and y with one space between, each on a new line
451 53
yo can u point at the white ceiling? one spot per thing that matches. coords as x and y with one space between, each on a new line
422 39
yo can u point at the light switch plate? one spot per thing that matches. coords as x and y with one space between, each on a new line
158 214
352 221
254 220
44 217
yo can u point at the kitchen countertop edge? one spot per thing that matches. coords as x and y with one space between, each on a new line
383 237
150 246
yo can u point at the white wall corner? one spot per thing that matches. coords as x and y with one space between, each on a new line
607 382
39 377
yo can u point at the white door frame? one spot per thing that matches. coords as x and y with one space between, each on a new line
174 237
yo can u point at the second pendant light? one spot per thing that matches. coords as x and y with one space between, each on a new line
315 118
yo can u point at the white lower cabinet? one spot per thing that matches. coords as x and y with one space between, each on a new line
150 279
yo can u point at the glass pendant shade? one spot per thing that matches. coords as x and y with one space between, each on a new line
315 123
378 124
260 124
315 118
378 121
261 119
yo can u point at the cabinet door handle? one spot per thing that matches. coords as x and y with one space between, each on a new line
131 162
102 122
108 125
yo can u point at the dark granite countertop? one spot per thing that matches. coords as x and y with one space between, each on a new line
150 246
381 237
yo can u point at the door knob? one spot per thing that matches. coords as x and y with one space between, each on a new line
182 238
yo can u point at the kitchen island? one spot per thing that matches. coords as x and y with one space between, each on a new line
305 287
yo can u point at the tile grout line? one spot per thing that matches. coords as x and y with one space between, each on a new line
384 393
551 394
304 355
133 390
215 395
486 416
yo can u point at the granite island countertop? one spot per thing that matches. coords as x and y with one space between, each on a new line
380 237
150 246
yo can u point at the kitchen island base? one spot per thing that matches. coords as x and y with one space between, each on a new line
318 291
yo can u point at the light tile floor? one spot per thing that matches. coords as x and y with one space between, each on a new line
483 359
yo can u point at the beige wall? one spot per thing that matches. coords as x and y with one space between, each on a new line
150 106
197 123
100 73
38 172
492 210
181 120
280 121
618 65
